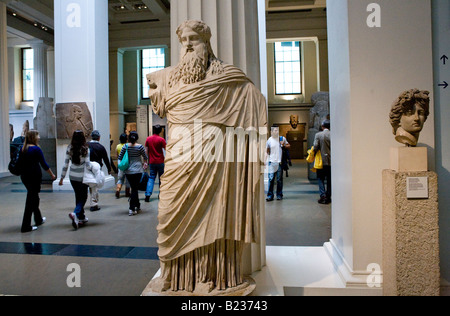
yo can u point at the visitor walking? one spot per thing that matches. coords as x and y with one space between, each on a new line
121 178
135 169
98 154
32 159
155 146
275 145
77 153
322 142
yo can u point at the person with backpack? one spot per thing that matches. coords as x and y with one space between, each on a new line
275 145
31 160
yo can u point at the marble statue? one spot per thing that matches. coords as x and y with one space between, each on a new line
408 115
294 121
320 111
45 120
71 117
208 208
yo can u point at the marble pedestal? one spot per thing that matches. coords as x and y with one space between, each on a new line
410 236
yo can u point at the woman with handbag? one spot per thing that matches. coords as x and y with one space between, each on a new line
77 153
121 178
130 161
32 159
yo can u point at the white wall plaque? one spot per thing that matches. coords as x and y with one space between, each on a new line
417 187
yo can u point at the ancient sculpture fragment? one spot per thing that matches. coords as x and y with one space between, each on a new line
71 117
408 116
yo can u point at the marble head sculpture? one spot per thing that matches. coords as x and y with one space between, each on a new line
209 208
294 121
408 115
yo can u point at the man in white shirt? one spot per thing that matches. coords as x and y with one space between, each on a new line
275 146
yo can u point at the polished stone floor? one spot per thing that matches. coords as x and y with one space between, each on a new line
116 254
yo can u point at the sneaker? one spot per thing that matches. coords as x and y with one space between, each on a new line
279 198
74 219
269 199
33 228
131 212
83 221
95 208
44 219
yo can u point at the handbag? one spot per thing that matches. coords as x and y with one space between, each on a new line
125 162
15 165
143 183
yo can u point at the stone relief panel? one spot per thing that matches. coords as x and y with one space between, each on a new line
71 117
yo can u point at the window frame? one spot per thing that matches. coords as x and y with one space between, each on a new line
300 67
141 67
23 70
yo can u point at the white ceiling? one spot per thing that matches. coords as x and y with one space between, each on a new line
121 12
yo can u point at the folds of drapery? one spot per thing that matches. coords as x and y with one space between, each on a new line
206 200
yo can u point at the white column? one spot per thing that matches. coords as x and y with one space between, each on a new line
441 41
238 38
81 63
369 68
235 29
117 114
40 84
4 99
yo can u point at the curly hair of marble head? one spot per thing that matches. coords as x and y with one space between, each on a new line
405 102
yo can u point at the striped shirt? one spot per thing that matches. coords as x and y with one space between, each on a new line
76 171
134 156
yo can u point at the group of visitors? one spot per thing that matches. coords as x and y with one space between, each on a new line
277 147
84 157
80 154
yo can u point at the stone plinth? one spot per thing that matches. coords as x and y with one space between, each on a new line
48 147
410 237
409 159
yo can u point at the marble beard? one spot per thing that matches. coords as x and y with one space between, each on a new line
208 211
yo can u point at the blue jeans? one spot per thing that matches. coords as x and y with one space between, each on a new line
81 195
155 170
324 175
279 175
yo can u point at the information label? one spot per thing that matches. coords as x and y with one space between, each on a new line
417 187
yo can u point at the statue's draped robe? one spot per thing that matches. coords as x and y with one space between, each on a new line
209 209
